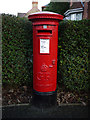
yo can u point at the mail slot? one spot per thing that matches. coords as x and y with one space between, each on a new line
45 48
45 32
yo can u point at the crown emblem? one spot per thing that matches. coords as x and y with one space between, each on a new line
44 68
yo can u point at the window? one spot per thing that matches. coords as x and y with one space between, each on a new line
76 16
73 16
79 16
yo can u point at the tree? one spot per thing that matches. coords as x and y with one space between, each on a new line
58 7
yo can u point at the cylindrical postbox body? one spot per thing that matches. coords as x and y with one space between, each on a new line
45 45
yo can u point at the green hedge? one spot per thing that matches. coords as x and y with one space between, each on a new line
16 50
72 53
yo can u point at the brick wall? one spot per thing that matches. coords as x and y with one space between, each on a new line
74 5
89 10
85 13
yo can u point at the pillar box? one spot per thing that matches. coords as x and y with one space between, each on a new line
45 48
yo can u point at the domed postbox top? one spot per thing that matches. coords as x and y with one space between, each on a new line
45 15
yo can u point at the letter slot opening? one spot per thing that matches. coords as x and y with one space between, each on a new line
45 32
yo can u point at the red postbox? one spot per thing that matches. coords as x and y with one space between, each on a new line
45 47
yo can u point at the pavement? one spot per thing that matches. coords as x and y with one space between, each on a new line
30 111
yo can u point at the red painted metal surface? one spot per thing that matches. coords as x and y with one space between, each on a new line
45 48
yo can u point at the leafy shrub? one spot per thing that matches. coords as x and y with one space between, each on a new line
73 54
16 50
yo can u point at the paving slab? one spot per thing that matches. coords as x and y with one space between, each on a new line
30 111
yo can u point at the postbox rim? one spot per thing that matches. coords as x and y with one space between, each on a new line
45 14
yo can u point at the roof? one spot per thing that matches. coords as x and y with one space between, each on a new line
76 5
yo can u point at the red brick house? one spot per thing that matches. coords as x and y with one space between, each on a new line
78 11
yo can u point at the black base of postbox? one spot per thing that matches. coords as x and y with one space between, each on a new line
44 99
